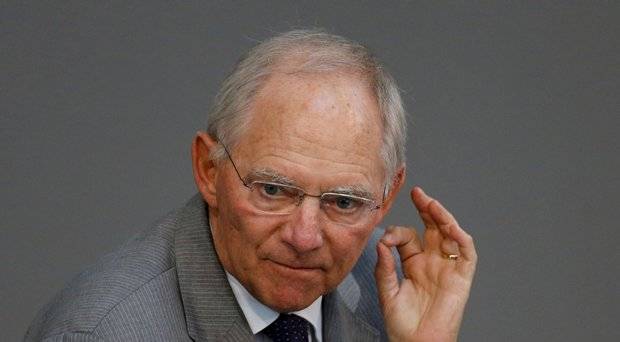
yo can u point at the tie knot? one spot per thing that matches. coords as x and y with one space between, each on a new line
288 328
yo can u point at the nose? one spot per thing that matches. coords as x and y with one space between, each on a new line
303 232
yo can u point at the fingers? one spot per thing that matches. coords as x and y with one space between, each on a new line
385 274
453 240
420 199
449 247
421 202
432 236
404 239
451 229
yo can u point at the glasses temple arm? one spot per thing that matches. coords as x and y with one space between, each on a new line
234 166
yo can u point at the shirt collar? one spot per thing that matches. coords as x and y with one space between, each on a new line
259 316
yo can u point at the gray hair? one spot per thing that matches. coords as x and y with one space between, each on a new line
312 51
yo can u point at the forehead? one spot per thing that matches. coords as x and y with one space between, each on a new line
326 123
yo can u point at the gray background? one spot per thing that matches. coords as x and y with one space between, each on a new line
515 127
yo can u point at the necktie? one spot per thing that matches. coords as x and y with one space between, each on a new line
288 328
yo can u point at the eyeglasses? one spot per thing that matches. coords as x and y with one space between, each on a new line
276 198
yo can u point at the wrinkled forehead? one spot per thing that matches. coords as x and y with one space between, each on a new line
334 112
320 121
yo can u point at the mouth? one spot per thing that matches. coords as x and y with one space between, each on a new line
296 267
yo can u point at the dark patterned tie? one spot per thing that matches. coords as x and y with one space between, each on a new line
288 328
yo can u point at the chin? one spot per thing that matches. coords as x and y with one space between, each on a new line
286 289
290 298
290 304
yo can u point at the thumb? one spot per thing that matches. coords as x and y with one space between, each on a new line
385 274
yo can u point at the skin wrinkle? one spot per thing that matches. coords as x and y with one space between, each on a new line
333 147
327 160
357 118
309 134
314 134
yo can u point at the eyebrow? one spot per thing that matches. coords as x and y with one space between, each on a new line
354 190
271 175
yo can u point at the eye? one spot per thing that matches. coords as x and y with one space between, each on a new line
344 202
271 189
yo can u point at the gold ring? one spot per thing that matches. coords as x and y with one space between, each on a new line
452 256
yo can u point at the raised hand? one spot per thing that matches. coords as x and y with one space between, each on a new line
428 304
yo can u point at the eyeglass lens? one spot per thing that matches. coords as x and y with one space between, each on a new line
284 199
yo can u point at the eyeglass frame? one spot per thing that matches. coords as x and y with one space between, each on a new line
303 192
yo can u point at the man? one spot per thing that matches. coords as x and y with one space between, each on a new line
303 157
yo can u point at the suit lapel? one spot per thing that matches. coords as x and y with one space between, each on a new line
211 311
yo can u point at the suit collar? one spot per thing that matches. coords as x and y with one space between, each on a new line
211 311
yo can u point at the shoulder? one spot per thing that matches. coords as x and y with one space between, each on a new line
137 280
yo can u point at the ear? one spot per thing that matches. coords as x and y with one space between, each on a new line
397 183
205 170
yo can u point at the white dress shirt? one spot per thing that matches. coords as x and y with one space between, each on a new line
259 316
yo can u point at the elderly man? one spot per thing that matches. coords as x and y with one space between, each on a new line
303 157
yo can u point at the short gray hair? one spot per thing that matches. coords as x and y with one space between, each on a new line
312 51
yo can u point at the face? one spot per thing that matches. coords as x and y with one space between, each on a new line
321 133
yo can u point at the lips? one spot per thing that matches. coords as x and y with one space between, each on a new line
297 266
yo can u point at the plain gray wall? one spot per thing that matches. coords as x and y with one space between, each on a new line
515 128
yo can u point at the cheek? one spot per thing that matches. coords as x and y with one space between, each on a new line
232 209
346 248
250 231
